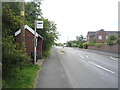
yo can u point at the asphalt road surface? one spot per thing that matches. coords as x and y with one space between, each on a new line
77 68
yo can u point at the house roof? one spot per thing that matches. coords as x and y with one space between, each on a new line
99 31
90 33
112 32
29 29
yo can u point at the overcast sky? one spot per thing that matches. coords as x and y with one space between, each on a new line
77 17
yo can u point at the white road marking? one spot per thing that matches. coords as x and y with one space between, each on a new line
81 56
101 67
113 58
87 57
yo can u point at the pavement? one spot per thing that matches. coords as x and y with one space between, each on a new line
78 68
52 74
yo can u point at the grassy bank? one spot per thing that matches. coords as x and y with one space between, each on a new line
25 78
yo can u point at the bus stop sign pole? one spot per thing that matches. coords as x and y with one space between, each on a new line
39 25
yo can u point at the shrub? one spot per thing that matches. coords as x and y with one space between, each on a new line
94 41
118 41
98 45
91 44
112 42
85 45
68 44
74 45
112 39
45 54
103 42
12 59
80 46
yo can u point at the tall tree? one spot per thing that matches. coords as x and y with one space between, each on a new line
10 18
11 21
49 34
80 40
32 11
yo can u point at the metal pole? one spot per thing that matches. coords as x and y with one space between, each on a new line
35 44
67 38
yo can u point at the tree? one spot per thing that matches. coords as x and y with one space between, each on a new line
11 22
79 38
10 18
32 11
68 44
80 41
49 34
72 43
12 58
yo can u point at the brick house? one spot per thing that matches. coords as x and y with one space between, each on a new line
100 36
29 40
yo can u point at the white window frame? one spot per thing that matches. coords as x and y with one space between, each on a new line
100 37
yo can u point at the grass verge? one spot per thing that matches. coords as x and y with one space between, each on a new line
25 78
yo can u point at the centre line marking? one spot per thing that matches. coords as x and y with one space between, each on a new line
102 67
87 57
81 56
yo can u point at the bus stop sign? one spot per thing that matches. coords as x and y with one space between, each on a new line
39 24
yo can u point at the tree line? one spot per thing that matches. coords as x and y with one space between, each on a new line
81 42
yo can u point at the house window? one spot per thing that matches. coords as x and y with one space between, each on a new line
99 37
106 37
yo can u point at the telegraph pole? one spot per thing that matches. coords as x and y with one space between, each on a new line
67 38
22 38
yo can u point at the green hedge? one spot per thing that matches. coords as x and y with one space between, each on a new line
12 59
74 45
91 44
98 45
95 44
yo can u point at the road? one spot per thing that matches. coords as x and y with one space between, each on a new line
77 68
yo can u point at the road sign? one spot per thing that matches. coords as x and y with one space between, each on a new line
39 24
